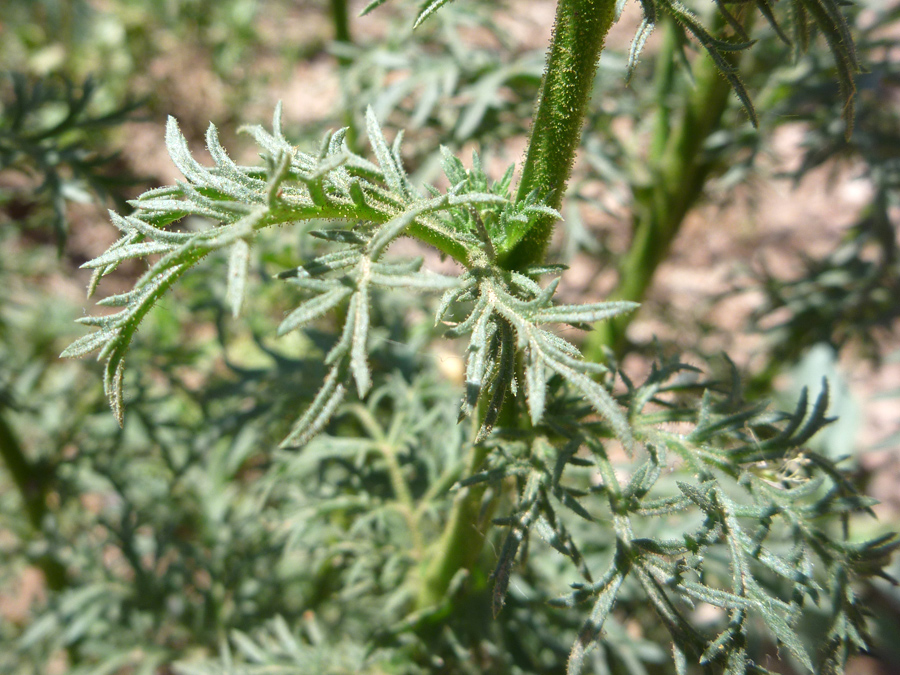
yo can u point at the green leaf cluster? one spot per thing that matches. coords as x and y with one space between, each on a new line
756 498
473 221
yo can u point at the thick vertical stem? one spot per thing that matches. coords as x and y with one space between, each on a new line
467 528
341 18
680 171
578 36
24 475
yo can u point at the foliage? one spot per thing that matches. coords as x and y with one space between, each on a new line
848 294
306 490
46 130
824 15
408 79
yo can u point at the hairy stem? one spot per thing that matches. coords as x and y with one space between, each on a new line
463 538
578 37
680 170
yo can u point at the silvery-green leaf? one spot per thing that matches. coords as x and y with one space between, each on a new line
637 45
600 400
584 313
592 628
117 255
423 281
313 309
319 412
453 167
238 264
393 176
88 343
359 362
535 386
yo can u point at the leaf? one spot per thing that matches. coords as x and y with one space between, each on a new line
238 264
88 343
774 616
502 380
637 46
393 175
715 597
313 309
714 48
600 400
535 386
117 255
600 311
319 412
428 8
359 315
372 5
453 167
507 557
592 628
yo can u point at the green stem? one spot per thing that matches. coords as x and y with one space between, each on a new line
340 15
680 170
578 37
32 486
341 18
387 445
462 540
27 479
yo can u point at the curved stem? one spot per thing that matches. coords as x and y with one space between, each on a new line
578 37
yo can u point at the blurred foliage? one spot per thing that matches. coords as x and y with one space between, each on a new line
849 294
52 138
115 41
410 77
189 544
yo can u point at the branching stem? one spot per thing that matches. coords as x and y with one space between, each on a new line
462 540
387 447
578 37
